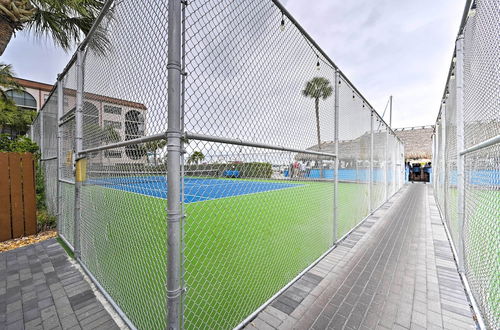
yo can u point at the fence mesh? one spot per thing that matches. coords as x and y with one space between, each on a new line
254 217
478 228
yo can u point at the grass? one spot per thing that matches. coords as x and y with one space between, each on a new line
65 247
481 237
239 250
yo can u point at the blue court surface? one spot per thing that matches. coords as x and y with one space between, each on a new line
195 189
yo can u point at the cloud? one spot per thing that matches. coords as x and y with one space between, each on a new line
388 47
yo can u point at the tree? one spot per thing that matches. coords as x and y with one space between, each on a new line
154 146
196 157
318 88
11 116
65 22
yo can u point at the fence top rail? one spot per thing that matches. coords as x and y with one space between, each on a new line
484 144
210 138
277 3
463 22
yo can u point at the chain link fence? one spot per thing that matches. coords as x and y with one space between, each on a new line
216 138
466 156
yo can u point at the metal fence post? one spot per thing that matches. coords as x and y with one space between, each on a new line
370 190
386 164
336 138
174 148
459 76
42 142
443 161
59 162
78 149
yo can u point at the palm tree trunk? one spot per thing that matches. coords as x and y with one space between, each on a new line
6 31
316 103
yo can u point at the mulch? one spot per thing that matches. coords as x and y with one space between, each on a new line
23 241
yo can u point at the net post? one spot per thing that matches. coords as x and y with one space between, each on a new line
336 166
60 103
78 149
174 148
459 76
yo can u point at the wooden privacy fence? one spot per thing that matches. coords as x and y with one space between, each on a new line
17 195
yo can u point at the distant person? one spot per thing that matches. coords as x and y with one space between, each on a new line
416 172
427 172
302 169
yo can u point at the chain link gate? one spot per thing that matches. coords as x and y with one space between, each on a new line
467 156
272 156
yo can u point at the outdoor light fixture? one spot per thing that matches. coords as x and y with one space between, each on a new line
472 11
282 26
452 75
454 59
317 64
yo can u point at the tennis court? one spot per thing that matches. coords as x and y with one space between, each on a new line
195 189
231 225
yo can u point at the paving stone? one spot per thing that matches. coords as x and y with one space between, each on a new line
396 271
32 292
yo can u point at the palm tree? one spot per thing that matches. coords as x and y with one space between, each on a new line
154 146
318 88
196 157
66 22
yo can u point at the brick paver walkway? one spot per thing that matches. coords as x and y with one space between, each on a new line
396 271
41 288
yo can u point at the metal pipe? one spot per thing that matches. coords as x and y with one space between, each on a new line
174 148
78 148
42 142
390 112
67 181
143 139
459 105
97 21
65 119
336 140
370 189
443 159
386 154
479 146
49 158
60 103
239 142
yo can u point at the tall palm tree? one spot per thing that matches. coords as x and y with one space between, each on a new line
154 146
318 88
64 21
196 157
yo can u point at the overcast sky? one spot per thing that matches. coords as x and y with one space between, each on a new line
385 47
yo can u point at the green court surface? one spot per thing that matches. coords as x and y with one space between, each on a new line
239 250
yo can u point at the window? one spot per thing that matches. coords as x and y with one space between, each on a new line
114 124
22 99
112 109
134 128
112 154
